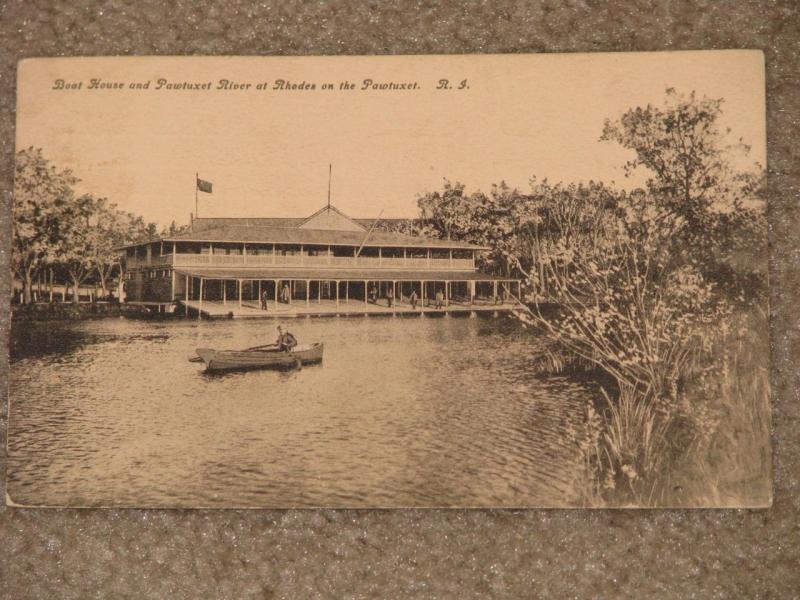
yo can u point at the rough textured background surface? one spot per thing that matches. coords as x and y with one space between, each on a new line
398 554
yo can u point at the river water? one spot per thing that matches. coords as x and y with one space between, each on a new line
402 412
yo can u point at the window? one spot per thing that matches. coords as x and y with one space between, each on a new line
317 250
344 251
288 250
190 248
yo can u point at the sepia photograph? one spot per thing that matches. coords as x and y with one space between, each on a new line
498 281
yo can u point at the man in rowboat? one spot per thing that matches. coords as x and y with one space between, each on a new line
286 341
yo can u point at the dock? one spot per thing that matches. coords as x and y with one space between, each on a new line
330 308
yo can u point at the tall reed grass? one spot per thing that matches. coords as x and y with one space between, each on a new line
708 447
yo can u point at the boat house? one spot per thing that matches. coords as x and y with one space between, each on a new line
327 263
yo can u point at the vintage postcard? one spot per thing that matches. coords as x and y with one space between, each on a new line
412 281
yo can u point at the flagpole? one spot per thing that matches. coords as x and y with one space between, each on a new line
196 179
330 174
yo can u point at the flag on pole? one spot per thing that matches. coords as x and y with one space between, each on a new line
204 186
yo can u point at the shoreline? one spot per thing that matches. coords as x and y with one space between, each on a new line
69 311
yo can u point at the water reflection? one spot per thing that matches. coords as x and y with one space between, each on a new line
403 412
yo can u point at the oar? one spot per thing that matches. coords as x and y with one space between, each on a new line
260 347
197 359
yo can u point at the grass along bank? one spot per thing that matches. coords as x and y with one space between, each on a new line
709 446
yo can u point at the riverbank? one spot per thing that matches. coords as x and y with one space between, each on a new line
69 311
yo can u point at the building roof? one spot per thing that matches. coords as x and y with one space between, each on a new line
202 223
327 226
266 273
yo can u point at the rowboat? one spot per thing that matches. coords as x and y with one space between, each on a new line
261 357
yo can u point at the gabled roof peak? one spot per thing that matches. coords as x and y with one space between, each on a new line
330 217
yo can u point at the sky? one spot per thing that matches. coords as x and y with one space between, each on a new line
267 151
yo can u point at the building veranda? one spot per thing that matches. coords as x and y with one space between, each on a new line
327 263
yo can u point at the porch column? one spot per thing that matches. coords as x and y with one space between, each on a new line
422 295
337 294
224 292
365 294
240 293
277 285
446 293
259 292
472 292
308 282
201 298
347 292
273 254
319 292
494 299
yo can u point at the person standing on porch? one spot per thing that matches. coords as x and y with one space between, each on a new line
439 299
285 293
413 299
390 296
264 300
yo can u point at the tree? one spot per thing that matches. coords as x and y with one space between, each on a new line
681 144
477 218
175 229
692 177
109 229
77 249
447 213
42 195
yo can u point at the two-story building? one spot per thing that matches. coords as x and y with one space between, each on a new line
326 258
